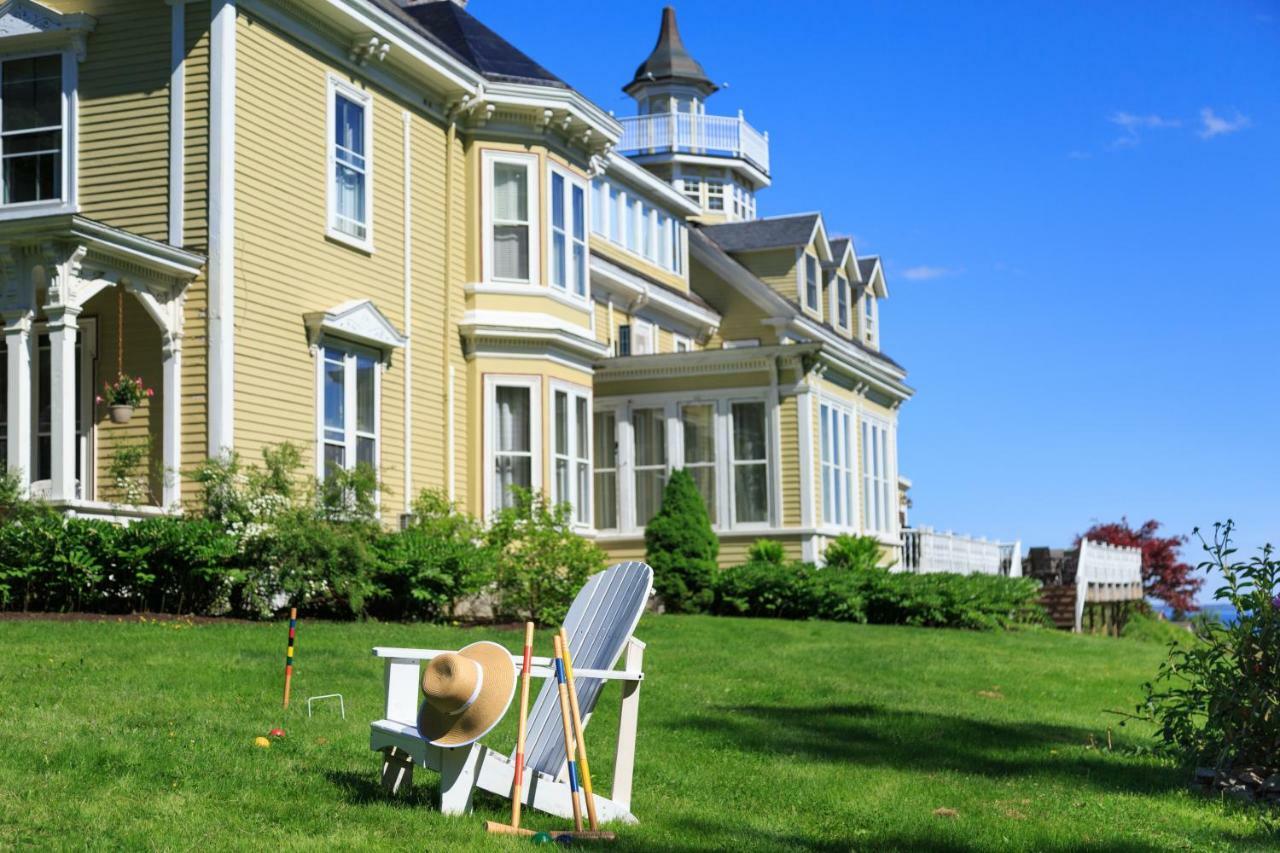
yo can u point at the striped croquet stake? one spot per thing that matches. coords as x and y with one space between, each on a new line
288 658
587 794
568 736
518 781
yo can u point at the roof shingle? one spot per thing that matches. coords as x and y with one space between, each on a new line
774 233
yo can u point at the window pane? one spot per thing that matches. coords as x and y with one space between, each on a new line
579 214
606 501
348 128
615 220
510 192
748 431
559 272
580 426
750 490
649 485
512 419
562 423
335 457
366 452
606 447
562 493
584 489
32 93
511 472
599 198
650 428
579 269
699 433
557 200
334 392
511 252
366 401
31 177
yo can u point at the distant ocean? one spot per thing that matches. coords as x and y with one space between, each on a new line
1224 613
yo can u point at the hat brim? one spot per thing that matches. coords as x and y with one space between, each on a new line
491 705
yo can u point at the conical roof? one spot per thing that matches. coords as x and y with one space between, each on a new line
670 61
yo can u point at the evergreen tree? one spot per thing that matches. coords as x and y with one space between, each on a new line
681 547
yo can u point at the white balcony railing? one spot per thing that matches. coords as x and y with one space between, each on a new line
926 550
685 133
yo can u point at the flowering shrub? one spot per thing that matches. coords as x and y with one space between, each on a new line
125 391
1217 700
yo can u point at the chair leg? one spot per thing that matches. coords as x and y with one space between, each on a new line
458 771
628 718
397 770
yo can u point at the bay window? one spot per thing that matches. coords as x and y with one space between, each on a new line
837 465
572 462
698 420
350 163
649 432
512 438
750 464
32 129
349 389
511 196
605 445
877 509
568 234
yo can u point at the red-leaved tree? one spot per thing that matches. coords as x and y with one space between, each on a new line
1164 575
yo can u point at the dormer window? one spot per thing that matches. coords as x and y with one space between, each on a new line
31 128
811 282
869 318
842 302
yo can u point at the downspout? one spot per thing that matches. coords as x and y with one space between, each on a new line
447 368
408 317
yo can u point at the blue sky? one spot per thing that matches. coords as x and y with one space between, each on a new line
1078 205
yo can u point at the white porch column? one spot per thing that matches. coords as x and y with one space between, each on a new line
17 339
62 398
172 430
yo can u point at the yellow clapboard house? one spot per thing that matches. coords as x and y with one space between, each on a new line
379 231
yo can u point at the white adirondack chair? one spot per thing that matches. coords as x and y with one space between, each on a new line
600 623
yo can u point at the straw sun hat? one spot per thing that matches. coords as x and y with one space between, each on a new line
466 692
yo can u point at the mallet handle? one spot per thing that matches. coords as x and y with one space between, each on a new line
288 655
568 736
518 781
577 727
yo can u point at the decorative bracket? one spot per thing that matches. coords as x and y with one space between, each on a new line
368 47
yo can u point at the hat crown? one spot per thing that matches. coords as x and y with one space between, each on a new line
451 682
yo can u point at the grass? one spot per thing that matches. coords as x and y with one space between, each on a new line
753 735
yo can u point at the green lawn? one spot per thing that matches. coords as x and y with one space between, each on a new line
753 735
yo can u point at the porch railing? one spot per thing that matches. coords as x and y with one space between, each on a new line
926 550
686 133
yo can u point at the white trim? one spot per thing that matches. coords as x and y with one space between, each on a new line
357 320
177 119
493 381
804 427
451 437
335 87
886 483
408 315
68 115
489 158
844 418
222 221
574 392
503 288
351 433
568 287
681 343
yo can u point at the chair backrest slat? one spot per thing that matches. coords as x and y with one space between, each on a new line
599 623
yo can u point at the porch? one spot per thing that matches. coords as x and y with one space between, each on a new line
927 550
82 302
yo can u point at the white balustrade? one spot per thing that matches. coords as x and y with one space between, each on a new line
724 136
926 550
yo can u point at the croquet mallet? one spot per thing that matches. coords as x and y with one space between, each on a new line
566 718
517 782
581 735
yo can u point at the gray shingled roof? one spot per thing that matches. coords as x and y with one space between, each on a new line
867 266
774 233
458 31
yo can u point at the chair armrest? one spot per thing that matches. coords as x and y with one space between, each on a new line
541 665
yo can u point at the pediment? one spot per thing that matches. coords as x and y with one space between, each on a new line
358 321
26 24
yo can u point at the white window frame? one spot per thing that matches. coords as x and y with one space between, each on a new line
714 194
575 499
68 202
570 181
869 320
733 464
490 158
643 330
839 287
350 431
837 425
492 382
681 343
335 88
807 261
615 410
877 434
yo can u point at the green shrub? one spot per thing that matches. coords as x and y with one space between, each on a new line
436 561
681 547
175 565
853 552
1216 701
540 563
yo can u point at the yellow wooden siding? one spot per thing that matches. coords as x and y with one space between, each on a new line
635 263
733 548
790 467
196 128
739 317
604 333
776 268
691 383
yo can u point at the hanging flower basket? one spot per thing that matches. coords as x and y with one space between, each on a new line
123 396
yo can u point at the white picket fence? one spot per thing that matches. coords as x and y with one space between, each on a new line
1105 573
926 550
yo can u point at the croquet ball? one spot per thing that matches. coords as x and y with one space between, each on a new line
276 732
564 840
262 742
541 838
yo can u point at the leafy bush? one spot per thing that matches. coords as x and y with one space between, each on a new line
434 563
175 565
681 547
768 584
1217 701
539 562
52 562
853 552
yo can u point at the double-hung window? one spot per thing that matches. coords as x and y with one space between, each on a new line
511 236
750 463
605 444
692 189
811 282
869 317
350 164
842 301
572 484
32 137
349 388
617 210
715 195
599 207
512 438
649 432
568 234
837 466
877 509
699 422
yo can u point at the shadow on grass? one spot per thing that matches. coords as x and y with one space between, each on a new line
868 735
365 788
